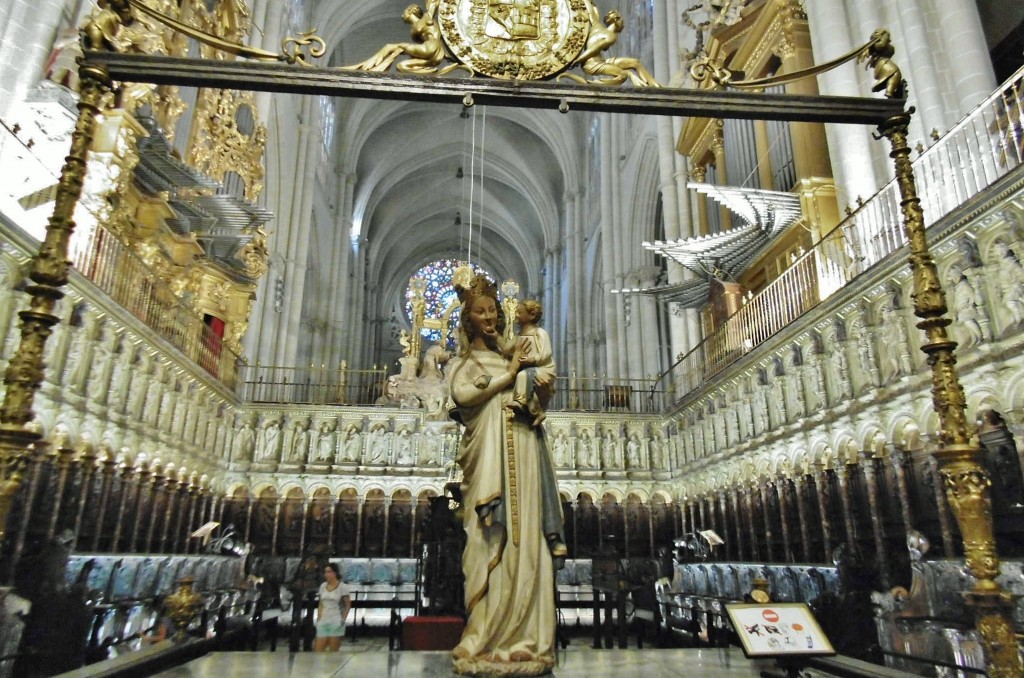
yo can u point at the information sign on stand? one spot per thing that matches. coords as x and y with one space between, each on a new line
778 630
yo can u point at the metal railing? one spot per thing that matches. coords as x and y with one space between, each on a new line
310 385
600 394
983 147
124 277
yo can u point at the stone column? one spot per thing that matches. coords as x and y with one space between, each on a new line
330 528
730 546
278 503
969 65
155 491
139 485
820 479
108 469
748 506
63 467
783 492
942 508
248 518
765 488
359 525
871 466
899 460
87 470
171 512
130 481
737 517
842 475
801 511
306 504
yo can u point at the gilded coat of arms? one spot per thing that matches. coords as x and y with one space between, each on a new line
515 39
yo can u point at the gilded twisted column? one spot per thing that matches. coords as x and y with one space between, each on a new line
960 462
48 274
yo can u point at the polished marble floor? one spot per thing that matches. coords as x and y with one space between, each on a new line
371 661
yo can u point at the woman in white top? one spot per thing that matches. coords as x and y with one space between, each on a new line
335 602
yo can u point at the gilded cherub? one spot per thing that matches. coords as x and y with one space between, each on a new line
425 53
608 70
887 73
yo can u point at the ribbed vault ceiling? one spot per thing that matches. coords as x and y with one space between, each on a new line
405 155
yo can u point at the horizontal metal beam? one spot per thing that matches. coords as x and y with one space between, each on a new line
294 79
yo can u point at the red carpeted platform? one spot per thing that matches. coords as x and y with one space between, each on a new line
431 633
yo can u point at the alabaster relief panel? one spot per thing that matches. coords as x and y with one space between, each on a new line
360 439
848 381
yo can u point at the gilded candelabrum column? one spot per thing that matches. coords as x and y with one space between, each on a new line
33 473
48 274
87 469
964 476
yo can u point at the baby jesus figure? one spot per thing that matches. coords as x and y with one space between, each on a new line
537 357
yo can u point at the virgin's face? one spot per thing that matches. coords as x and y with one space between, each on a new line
483 317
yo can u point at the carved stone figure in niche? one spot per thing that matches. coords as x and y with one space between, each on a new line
300 442
609 450
560 449
430 447
608 70
586 455
633 452
268 440
245 442
967 307
451 444
1011 282
80 354
377 445
325 442
657 445
353 443
102 363
403 448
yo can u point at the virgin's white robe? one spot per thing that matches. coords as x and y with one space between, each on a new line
508 567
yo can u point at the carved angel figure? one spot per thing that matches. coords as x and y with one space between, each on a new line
425 53
608 70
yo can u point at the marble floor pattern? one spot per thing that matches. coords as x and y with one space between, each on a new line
370 662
